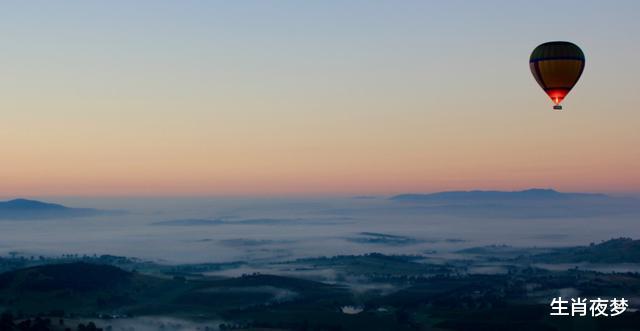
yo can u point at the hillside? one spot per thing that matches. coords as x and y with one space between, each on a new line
80 277
414 300
90 289
621 250
527 204
18 209
81 288
478 195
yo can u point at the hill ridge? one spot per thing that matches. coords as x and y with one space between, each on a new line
535 193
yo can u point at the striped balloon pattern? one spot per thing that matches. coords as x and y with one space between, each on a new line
557 66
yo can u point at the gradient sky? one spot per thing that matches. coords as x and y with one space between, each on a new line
103 98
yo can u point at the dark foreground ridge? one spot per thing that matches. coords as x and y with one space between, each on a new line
82 277
366 292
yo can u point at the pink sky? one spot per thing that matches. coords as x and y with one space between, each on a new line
311 99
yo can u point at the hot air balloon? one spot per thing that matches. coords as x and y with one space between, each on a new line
557 66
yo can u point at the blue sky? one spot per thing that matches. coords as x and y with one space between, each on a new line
264 97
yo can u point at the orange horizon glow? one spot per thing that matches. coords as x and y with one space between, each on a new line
220 99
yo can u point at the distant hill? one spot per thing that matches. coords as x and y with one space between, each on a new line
32 209
621 250
532 203
191 222
478 195
383 239
201 222
251 221
613 251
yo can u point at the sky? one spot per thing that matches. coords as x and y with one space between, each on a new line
262 98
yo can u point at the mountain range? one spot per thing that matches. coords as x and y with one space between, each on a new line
478 195
531 203
19 209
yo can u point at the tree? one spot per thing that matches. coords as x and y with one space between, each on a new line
6 321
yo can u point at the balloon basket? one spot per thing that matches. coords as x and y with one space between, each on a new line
557 108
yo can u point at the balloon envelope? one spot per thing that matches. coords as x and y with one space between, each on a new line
557 66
